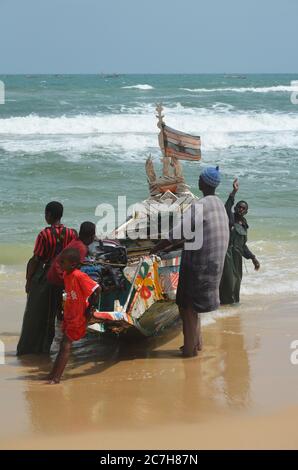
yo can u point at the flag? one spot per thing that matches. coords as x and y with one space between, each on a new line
180 145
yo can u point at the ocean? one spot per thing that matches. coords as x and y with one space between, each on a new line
84 139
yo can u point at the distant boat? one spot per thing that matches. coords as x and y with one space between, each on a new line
110 75
242 77
139 289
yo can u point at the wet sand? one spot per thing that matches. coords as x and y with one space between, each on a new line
240 392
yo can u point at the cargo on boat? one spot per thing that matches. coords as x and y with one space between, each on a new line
139 289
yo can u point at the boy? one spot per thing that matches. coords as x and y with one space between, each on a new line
229 289
44 300
81 295
86 237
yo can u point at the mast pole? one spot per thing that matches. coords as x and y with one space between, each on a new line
161 140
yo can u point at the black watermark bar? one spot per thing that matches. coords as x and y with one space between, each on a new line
143 458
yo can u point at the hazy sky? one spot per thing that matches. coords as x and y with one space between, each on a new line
156 36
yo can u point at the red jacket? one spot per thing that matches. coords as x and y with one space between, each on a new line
55 273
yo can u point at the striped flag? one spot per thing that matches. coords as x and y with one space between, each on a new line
180 145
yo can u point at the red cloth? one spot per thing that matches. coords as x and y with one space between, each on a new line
55 273
46 241
78 287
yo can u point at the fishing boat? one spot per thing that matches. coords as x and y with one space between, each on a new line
109 75
139 289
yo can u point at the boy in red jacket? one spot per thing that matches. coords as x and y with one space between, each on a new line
86 237
81 294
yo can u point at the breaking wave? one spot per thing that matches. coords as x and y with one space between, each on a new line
219 127
139 87
269 89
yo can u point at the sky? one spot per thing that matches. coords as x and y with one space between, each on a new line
152 36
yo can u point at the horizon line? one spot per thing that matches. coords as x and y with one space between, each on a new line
147 73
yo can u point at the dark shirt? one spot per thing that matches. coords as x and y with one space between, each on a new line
231 215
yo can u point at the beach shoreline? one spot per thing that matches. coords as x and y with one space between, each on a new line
146 395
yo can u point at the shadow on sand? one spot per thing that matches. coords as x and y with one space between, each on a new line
100 353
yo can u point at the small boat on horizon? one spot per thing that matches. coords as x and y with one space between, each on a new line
110 75
242 77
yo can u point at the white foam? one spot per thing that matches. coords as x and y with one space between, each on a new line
197 120
77 125
279 269
77 145
220 128
139 87
3 269
269 89
211 317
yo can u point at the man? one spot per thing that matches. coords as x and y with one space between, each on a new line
232 274
201 269
86 237
43 299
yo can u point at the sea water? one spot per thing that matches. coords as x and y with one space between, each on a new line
84 139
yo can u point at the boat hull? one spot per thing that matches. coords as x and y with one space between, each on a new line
148 305
157 318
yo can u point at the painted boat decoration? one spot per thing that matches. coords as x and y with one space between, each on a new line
139 289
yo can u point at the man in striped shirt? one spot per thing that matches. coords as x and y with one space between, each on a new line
43 300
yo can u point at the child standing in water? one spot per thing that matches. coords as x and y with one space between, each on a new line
81 294
229 289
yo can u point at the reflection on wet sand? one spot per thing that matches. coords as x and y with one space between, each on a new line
235 372
114 385
127 395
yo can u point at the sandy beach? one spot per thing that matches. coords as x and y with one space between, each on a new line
115 119
240 392
83 140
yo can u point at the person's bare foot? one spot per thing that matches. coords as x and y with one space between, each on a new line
53 382
194 354
199 347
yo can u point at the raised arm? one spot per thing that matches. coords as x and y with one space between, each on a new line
231 199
